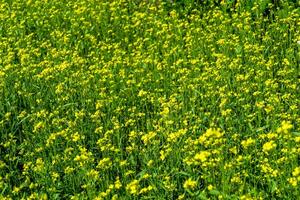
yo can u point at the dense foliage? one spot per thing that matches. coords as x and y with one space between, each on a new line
149 99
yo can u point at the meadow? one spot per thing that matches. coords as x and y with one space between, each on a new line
149 99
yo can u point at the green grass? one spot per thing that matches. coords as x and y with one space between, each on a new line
149 99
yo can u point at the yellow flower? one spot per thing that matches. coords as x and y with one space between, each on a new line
296 171
221 41
147 137
247 143
268 146
142 93
16 190
165 111
118 183
54 176
180 197
94 174
75 137
39 165
146 189
210 187
189 184
38 126
293 181
150 163
246 197
132 187
68 170
236 179
202 156
105 163
285 127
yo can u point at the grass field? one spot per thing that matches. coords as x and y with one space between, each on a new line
149 99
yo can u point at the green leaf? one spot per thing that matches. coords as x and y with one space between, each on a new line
202 196
214 192
296 133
